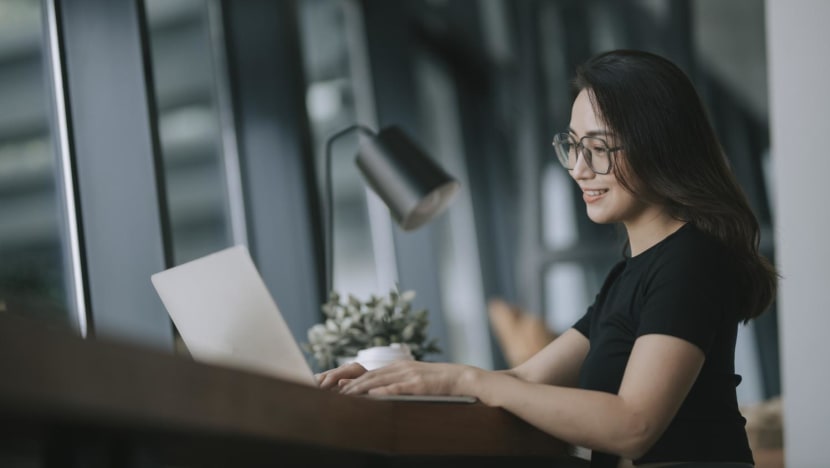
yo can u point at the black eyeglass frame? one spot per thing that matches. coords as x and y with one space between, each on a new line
586 153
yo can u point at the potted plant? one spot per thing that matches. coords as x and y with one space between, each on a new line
380 326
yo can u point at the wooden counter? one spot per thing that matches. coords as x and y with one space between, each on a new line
65 398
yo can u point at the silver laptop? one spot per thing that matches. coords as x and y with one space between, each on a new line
225 315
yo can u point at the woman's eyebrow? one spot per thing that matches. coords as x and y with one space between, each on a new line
593 132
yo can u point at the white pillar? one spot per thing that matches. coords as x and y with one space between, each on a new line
799 72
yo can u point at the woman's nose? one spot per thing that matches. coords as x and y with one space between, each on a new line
581 170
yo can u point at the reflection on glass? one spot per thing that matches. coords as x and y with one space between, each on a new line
189 127
32 269
330 104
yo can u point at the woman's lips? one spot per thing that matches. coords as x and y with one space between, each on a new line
590 196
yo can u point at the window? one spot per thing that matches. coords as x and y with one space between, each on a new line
185 72
331 107
462 290
35 278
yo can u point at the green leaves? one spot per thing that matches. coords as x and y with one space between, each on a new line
353 325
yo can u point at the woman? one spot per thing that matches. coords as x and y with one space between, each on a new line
647 374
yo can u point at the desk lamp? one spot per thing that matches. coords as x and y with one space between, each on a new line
412 186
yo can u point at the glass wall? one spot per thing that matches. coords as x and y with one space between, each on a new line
330 101
185 76
34 272
462 295
461 69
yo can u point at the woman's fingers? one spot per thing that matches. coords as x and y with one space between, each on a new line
394 373
366 383
331 378
416 378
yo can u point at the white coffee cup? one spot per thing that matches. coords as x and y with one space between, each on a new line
379 356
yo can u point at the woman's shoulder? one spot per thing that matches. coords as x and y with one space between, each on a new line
690 235
690 249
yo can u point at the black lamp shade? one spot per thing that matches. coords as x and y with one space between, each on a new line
413 186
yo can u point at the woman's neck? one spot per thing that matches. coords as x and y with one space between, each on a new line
649 229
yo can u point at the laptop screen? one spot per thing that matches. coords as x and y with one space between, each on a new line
226 316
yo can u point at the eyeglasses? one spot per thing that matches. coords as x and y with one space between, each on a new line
595 150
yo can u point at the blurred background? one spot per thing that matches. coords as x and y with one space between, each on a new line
482 86
202 124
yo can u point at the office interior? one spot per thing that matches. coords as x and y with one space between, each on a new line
136 135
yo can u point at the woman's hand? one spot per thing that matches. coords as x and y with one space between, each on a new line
340 376
413 378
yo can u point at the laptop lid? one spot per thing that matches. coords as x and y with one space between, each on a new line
226 316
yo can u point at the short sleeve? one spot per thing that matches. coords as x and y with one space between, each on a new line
687 295
583 325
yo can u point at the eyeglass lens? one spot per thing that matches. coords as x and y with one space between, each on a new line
596 152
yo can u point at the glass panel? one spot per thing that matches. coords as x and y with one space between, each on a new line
570 287
33 278
462 290
567 295
331 107
189 127
558 212
748 366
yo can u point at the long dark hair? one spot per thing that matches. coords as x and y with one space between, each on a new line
674 159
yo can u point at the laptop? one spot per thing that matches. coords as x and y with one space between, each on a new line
226 316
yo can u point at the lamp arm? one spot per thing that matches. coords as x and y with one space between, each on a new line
329 224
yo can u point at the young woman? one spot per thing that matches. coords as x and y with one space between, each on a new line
647 374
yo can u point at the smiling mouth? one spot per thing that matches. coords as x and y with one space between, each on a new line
594 193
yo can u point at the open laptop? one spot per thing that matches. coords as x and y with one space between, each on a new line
226 316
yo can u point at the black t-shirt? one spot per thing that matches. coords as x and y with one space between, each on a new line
683 286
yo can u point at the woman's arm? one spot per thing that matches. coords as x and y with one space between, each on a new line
558 363
659 375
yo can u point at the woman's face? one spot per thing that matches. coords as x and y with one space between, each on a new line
606 200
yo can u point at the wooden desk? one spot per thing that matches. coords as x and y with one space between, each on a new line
68 399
